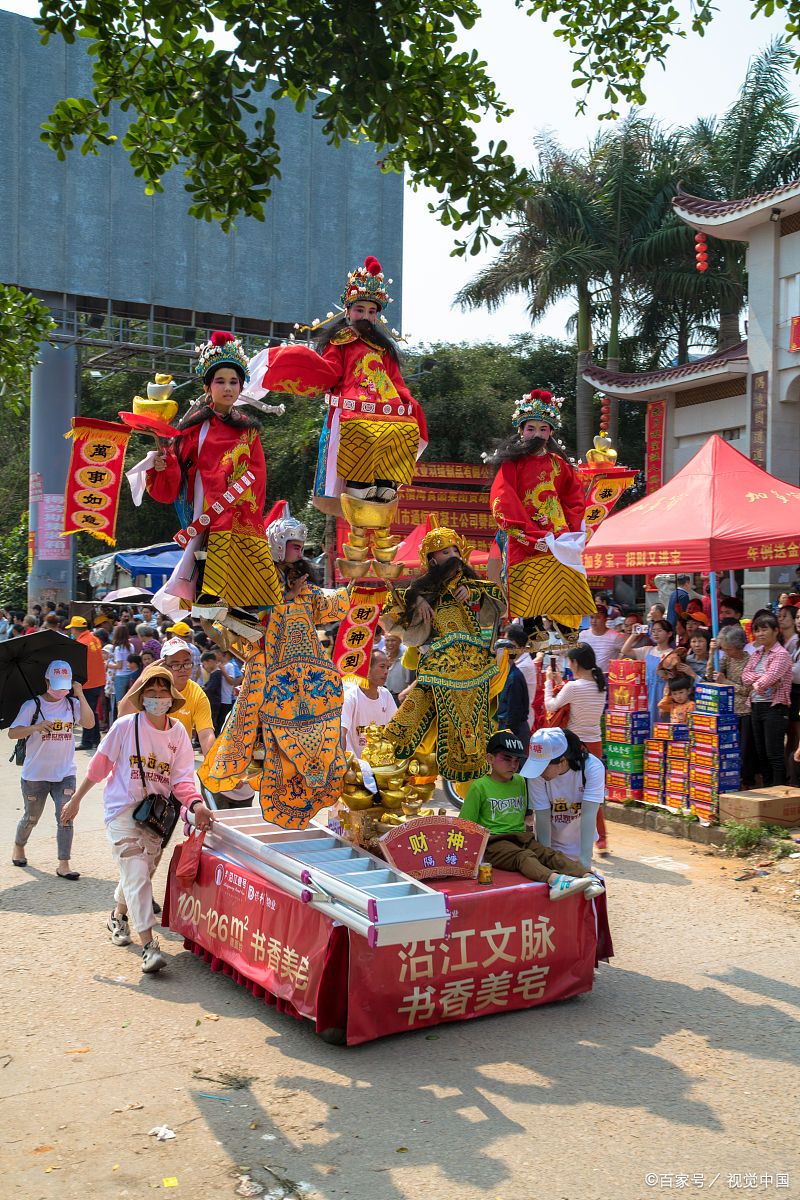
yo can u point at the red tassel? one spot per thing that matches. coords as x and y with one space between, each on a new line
372 266
220 338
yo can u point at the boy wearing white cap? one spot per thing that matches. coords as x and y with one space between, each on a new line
46 724
499 802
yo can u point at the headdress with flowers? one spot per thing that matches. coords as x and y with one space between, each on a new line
538 405
366 283
221 348
439 537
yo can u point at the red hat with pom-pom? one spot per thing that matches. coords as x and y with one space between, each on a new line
366 283
221 348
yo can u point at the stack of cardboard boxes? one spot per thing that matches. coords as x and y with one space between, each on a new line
714 756
626 728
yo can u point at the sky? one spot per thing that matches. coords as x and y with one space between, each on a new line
533 73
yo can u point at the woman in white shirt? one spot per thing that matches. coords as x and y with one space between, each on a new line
47 726
567 796
372 705
586 697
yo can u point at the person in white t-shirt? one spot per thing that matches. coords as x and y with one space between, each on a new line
605 642
566 795
372 705
47 725
165 758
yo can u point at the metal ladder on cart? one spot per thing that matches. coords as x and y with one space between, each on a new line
321 869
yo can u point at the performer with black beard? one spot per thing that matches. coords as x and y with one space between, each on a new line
445 613
374 429
538 501
217 445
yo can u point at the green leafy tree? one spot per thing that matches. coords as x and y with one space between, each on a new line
14 565
615 44
553 251
391 75
24 324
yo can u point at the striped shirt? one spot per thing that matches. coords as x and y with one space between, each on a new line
775 675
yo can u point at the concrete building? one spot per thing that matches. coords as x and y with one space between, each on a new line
747 394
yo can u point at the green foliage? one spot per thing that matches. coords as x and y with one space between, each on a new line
469 392
14 565
614 44
392 76
743 839
24 323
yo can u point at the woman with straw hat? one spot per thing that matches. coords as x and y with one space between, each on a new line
144 753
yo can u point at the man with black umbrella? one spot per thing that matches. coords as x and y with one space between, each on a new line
46 725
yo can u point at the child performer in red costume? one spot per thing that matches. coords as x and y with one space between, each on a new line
538 501
374 430
218 444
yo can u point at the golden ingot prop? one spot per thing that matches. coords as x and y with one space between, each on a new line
404 785
369 522
603 453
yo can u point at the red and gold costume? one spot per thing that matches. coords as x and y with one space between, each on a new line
541 497
374 428
201 464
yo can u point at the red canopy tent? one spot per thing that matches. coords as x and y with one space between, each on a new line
720 512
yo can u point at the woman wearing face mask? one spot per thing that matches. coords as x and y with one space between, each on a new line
46 724
166 759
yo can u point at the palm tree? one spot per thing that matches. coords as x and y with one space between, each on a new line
551 252
751 148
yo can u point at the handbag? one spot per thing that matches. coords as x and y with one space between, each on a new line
189 858
156 813
21 745
559 719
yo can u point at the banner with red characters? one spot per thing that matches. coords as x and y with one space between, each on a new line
91 497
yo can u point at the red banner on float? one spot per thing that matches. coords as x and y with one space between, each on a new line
256 928
91 497
353 648
509 948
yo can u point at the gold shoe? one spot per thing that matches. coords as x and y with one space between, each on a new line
368 514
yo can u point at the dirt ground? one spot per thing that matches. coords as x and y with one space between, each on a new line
679 1071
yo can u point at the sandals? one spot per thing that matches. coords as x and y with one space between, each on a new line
68 874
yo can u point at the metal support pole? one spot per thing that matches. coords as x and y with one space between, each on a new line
53 404
712 591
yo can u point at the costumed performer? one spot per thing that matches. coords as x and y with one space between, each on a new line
218 444
290 699
447 613
374 430
538 502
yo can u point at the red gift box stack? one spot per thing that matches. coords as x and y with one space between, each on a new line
627 725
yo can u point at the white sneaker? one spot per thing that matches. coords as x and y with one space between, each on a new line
120 929
152 958
568 885
595 888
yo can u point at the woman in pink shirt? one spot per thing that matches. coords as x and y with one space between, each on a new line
143 751
769 670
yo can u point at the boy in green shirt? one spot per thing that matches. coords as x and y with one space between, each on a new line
499 802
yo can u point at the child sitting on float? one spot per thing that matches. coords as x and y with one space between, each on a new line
499 802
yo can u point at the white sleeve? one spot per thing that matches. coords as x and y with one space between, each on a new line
25 715
112 743
537 796
349 707
391 706
594 790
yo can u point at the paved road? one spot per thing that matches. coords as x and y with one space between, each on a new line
682 1062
